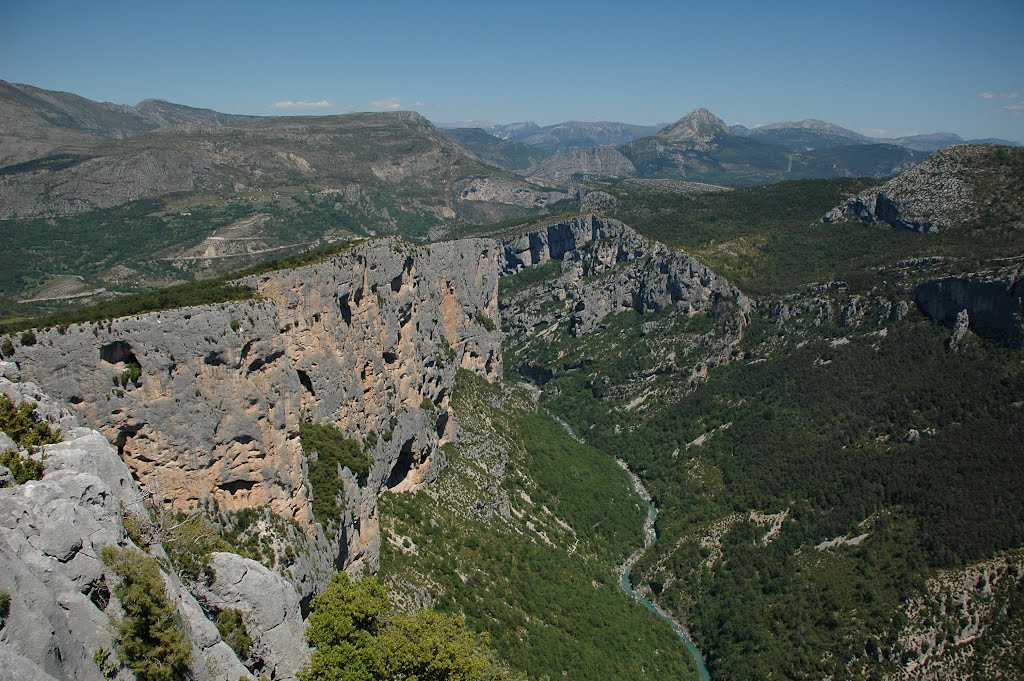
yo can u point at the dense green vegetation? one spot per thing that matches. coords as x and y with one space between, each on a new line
770 239
42 250
358 636
150 637
808 490
822 431
36 250
547 595
333 449
233 631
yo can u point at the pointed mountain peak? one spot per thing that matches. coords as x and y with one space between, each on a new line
700 126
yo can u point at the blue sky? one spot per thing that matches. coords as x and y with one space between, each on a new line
888 68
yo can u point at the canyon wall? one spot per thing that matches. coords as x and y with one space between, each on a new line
368 341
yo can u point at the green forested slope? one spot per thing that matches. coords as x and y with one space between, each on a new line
843 500
523 533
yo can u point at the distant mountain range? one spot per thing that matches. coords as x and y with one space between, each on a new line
811 134
553 139
35 122
699 146
805 135
62 154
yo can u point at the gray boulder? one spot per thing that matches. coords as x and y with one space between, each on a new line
10 371
6 442
271 609
15 667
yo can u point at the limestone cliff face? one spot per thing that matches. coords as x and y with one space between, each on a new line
553 241
362 341
994 303
607 267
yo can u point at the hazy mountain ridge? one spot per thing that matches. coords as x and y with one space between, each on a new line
37 121
822 149
811 133
489 148
701 146
570 134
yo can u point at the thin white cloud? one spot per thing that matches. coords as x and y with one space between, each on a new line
394 103
1017 109
1012 94
302 104
390 103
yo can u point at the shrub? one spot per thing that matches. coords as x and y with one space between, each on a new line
5 603
357 635
231 625
333 448
108 666
28 338
23 468
485 321
6 348
149 637
189 541
138 528
23 426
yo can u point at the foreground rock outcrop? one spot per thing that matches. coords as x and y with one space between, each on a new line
270 607
58 622
204 403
